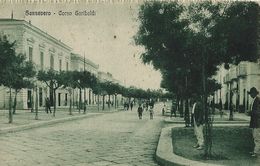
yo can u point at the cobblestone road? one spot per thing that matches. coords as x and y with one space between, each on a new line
111 139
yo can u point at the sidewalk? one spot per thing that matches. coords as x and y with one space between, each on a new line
238 118
165 153
25 119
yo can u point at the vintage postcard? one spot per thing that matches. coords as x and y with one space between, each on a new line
129 82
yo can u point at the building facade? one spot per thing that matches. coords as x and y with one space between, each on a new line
79 63
236 82
44 51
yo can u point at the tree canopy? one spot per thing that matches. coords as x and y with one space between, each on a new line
176 37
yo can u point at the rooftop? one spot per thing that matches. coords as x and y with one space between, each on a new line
34 28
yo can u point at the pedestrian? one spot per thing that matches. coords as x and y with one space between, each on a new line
48 105
125 106
173 110
163 109
85 106
131 105
151 112
198 121
146 105
255 120
140 111
221 109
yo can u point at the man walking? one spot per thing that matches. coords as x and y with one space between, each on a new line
255 120
131 105
151 112
198 120
48 105
140 111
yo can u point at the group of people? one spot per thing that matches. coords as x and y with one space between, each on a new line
198 120
147 106
140 111
127 105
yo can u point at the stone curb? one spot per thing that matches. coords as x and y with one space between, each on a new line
215 122
45 123
165 154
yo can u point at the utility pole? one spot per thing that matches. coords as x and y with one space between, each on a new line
84 87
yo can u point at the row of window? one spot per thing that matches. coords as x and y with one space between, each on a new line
51 60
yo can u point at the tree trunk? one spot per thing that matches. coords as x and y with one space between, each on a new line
80 99
15 101
231 105
73 102
208 124
36 103
70 109
109 101
98 102
115 101
187 113
10 107
54 102
89 96
103 108
181 108
32 99
84 103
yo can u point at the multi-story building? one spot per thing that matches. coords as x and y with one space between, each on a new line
80 63
236 82
108 77
45 51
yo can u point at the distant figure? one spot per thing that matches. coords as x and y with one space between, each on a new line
151 103
163 109
146 105
255 120
85 106
221 109
198 120
47 105
151 112
127 106
140 111
173 110
131 105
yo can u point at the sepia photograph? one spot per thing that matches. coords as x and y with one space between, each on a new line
129 82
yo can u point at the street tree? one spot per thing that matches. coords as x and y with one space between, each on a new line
23 71
15 71
189 42
54 80
83 80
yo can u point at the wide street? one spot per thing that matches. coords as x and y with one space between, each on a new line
110 139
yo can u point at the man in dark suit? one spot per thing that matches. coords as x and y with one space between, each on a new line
255 120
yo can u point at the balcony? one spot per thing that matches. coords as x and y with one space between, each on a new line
226 78
233 73
242 70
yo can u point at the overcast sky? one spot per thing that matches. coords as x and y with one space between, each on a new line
106 38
